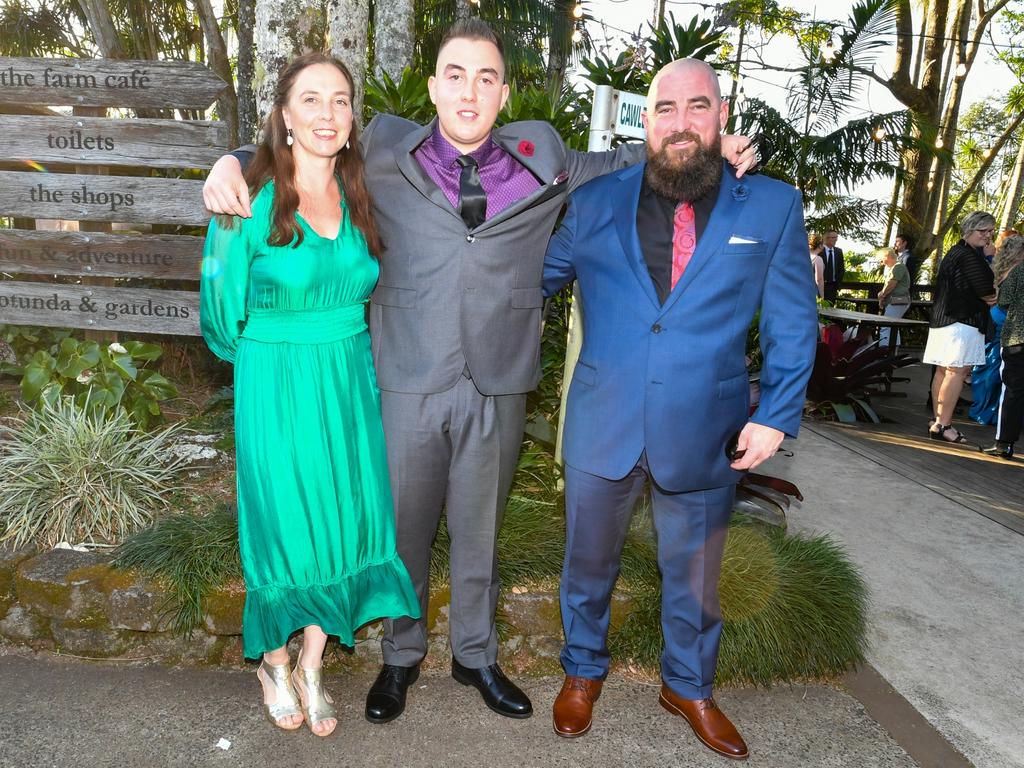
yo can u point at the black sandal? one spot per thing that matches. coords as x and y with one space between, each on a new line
940 434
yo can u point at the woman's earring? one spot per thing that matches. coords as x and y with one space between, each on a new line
289 140
347 144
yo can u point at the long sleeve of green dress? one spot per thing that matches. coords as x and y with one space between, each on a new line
224 284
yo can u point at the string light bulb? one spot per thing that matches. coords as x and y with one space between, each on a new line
577 11
828 53
987 153
813 117
577 35
961 69
879 133
939 142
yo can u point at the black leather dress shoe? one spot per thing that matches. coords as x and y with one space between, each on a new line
1000 449
500 694
386 699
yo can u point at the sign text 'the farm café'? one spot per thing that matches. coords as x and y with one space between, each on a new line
137 79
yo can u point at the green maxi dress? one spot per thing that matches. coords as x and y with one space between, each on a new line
316 523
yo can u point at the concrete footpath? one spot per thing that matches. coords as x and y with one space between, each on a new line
60 712
947 589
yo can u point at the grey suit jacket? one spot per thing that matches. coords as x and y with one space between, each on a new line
449 297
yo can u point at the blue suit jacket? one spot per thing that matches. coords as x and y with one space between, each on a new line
670 379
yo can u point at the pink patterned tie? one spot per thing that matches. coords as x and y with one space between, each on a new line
684 240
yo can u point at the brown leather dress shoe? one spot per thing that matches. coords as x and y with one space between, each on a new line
574 706
708 722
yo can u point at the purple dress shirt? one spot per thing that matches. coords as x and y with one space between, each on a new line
504 179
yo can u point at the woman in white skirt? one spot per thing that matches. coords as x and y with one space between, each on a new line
964 290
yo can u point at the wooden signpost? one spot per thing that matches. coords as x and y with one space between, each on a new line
55 185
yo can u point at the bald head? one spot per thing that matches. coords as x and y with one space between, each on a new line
694 69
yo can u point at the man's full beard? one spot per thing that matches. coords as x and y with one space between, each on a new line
684 179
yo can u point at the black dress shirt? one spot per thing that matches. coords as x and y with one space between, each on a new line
655 224
963 279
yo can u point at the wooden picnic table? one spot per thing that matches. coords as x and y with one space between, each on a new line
851 317
873 302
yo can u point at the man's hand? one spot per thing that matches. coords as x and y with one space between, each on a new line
225 190
758 443
740 152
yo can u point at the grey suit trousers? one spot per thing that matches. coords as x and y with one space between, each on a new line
455 450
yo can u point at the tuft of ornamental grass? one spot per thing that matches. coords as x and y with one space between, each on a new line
192 555
75 474
793 607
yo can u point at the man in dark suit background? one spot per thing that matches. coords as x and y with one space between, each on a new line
835 267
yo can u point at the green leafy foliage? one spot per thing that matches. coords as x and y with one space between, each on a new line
633 69
73 474
99 379
191 555
408 98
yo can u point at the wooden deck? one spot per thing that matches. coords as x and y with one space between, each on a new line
991 487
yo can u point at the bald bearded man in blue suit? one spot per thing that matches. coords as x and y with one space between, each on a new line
673 258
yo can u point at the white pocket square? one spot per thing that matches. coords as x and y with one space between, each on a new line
734 240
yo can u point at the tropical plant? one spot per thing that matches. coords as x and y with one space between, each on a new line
765 498
191 555
667 41
69 473
406 98
848 369
816 148
102 380
564 113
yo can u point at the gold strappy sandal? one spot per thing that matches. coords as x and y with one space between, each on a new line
286 702
316 705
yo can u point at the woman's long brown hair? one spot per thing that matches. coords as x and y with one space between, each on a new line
273 160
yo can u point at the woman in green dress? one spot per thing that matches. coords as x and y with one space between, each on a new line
283 297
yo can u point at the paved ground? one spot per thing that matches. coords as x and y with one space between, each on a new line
947 589
57 712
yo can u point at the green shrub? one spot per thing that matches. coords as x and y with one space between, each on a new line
793 607
191 555
100 379
72 474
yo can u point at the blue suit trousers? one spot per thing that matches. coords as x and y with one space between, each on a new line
691 530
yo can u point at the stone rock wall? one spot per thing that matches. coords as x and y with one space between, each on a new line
76 603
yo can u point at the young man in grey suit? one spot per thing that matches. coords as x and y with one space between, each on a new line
466 212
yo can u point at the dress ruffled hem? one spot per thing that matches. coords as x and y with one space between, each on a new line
273 612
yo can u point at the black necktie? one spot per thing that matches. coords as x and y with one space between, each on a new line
472 198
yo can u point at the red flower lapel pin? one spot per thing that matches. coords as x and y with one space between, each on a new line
526 148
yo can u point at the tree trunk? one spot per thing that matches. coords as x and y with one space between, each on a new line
217 57
97 12
247 125
393 36
348 29
733 123
1014 191
284 29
